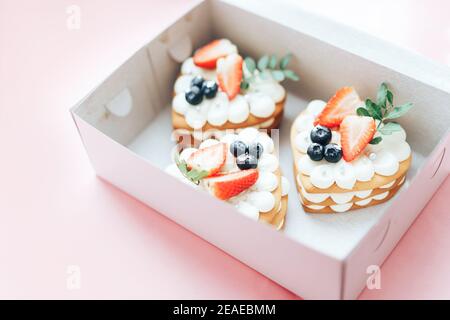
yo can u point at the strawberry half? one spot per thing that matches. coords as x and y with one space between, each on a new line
229 74
207 56
210 159
344 103
356 133
230 185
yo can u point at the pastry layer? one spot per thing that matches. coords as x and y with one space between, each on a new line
342 198
278 219
194 137
348 207
275 216
269 216
376 182
179 121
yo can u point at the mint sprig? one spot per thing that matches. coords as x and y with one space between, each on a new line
384 110
267 66
193 175
376 140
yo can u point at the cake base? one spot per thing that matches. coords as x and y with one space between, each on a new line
186 138
276 216
330 209
179 122
279 219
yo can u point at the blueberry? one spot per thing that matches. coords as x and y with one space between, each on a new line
315 152
246 162
321 135
256 150
332 153
197 82
194 96
238 148
210 89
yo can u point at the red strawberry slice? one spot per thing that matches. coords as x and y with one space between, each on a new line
229 185
210 159
344 103
356 132
229 74
207 56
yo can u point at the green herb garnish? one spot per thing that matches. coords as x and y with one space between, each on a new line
384 110
193 175
267 66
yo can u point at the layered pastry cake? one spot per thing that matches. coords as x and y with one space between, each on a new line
241 169
349 154
218 90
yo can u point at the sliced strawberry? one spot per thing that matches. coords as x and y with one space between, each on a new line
344 103
229 185
229 74
207 56
356 133
210 159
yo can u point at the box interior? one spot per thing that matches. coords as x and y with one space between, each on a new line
133 107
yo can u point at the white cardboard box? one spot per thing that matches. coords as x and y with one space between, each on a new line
125 126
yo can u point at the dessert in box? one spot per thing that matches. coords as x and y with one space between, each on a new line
218 90
241 169
124 121
222 99
349 155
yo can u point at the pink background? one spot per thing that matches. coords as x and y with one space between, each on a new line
56 213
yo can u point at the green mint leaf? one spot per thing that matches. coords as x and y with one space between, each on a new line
177 160
250 64
181 165
382 95
285 61
376 140
390 97
203 174
273 62
278 75
399 111
362 112
390 128
291 75
266 74
194 175
183 169
245 85
263 63
374 110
